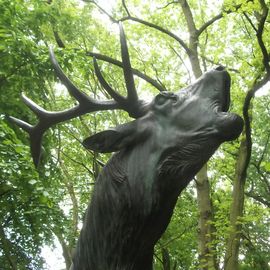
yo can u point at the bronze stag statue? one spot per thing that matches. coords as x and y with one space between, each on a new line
157 155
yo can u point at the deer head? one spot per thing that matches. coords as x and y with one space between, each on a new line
157 156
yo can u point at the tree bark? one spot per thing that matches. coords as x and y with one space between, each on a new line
65 248
244 156
205 228
236 211
68 247
233 243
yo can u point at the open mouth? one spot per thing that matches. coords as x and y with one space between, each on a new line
229 125
225 95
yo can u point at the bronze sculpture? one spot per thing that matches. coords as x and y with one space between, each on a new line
157 155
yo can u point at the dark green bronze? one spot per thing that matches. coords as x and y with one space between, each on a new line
157 155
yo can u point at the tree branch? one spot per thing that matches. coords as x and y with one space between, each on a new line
125 7
120 64
79 163
218 63
259 35
101 9
208 23
183 62
157 76
248 98
179 235
258 198
264 150
189 18
58 40
263 178
170 3
149 24
250 22
159 28
218 17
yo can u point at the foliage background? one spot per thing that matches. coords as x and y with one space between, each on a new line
39 207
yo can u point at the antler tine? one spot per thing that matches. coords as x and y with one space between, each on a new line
86 104
73 90
128 74
117 97
48 118
39 111
35 135
22 124
131 104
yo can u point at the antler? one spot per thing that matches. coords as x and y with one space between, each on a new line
86 104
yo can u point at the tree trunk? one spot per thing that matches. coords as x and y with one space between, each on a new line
236 211
206 255
205 227
244 156
65 248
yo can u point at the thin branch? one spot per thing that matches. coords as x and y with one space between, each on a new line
59 145
208 23
203 48
170 3
263 178
258 198
156 256
250 22
67 130
149 24
161 29
248 32
217 64
218 17
264 150
78 162
178 236
120 64
101 9
157 76
183 62
125 7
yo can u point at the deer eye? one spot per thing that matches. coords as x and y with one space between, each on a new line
160 99
165 96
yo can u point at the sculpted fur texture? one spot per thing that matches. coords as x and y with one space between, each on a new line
156 156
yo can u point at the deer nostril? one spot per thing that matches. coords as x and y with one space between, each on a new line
219 68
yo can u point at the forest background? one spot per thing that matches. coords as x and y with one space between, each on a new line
222 220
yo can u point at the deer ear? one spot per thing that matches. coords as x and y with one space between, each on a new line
112 140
